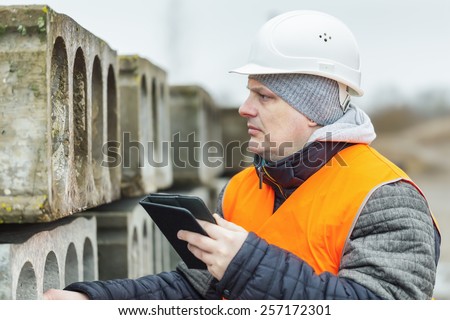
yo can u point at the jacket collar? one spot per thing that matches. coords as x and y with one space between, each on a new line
287 174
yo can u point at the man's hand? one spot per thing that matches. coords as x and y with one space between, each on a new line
56 294
216 251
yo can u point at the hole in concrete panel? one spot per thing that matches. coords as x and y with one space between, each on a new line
144 231
113 132
144 121
135 263
153 256
88 261
210 124
97 122
158 250
51 272
71 266
59 91
27 284
80 120
163 105
156 122
146 253
163 119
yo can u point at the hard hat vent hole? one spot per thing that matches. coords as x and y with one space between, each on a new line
325 37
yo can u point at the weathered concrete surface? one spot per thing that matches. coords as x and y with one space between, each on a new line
144 95
130 245
58 107
196 136
37 257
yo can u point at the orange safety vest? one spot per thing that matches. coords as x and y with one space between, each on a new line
315 222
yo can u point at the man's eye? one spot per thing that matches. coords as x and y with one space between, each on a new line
264 97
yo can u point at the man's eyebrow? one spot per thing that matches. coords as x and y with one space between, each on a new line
257 88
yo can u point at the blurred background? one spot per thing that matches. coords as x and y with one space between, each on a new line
405 54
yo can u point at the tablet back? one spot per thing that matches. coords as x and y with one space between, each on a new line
192 203
170 220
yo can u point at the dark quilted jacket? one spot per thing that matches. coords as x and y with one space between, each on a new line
391 254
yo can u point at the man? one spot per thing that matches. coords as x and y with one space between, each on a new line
321 215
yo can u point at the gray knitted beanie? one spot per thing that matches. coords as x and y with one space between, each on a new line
315 97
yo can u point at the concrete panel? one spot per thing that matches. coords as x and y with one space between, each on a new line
58 106
217 187
145 124
129 243
37 257
196 136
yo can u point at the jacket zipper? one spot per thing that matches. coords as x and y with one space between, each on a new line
275 183
259 167
262 171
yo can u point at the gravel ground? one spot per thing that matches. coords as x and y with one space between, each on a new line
423 151
437 190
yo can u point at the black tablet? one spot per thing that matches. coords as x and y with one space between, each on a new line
170 216
192 203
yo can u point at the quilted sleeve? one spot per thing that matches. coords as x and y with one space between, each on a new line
394 247
261 271
164 286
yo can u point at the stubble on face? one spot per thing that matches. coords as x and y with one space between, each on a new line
276 129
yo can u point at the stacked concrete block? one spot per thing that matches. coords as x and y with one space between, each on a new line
130 245
235 140
215 190
58 107
196 136
146 161
35 258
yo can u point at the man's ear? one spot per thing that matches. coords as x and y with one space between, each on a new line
312 123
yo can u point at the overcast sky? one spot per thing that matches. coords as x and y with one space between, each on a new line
404 44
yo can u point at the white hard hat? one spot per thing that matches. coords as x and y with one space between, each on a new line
308 42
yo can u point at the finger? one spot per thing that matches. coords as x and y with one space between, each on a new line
227 224
203 242
57 294
213 230
204 256
212 264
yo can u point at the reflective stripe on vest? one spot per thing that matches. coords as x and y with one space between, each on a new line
316 220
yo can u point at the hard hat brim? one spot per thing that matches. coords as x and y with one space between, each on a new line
252 68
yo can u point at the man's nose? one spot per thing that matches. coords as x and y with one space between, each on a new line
247 109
